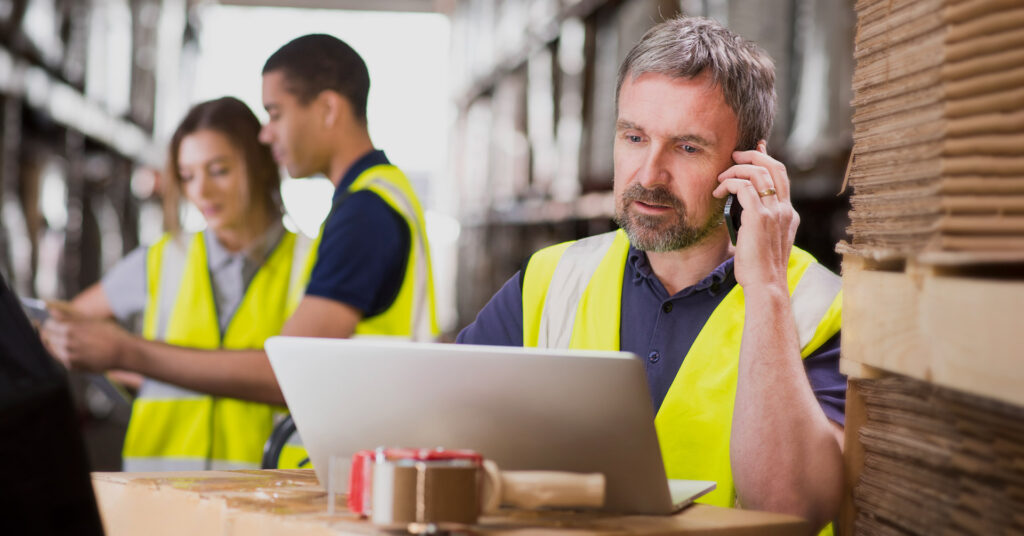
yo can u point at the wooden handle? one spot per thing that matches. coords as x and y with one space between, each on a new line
537 489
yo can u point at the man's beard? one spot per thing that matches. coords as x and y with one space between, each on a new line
668 232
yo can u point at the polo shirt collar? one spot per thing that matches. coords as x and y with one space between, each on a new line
711 282
374 157
218 256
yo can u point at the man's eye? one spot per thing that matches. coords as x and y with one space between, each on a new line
218 171
690 149
634 139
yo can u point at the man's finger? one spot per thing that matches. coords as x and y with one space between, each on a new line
759 177
775 168
746 193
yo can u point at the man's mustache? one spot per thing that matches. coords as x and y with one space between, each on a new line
654 196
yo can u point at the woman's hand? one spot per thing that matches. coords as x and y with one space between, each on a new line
84 344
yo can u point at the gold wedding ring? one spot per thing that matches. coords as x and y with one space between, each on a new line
766 193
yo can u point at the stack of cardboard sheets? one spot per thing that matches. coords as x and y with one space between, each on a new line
938 156
938 461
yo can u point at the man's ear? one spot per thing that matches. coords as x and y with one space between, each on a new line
336 109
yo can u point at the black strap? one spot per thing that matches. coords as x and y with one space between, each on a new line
280 435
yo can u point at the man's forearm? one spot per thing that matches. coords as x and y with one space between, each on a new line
785 456
244 374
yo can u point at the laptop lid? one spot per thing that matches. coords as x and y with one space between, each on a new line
524 408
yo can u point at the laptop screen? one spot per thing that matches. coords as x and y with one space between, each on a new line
524 408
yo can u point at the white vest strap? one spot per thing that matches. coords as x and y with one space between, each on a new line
812 298
149 465
154 389
421 325
172 269
573 273
300 255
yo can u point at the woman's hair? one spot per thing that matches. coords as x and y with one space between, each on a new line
234 120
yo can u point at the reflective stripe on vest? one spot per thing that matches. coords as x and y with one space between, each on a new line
303 260
413 312
412 315
173 428
580 307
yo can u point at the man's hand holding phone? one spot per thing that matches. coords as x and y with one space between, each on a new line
761 187
733 214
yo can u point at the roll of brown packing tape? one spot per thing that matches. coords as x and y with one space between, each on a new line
408 491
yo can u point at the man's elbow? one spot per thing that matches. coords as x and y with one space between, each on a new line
819 505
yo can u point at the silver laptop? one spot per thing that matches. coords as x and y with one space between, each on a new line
524 408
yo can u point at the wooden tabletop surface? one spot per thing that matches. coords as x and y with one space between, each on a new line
285 502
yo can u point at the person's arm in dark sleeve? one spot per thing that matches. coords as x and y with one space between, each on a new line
828 384
359 270
500 322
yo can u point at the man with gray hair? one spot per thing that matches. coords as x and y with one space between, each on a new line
740 340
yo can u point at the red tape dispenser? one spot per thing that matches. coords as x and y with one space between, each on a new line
400 486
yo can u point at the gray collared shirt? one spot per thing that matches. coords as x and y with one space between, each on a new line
230 274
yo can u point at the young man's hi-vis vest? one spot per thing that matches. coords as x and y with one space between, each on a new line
572 298
173 428
413 314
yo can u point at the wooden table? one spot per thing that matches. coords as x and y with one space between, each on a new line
287 502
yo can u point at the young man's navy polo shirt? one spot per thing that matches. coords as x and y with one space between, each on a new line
659 328
364 247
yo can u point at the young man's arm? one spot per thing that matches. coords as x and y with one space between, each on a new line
322 317
101 345
355 271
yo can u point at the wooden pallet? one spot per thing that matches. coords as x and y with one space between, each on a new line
949 326
956 326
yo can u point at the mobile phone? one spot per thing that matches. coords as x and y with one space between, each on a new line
35 309
733 211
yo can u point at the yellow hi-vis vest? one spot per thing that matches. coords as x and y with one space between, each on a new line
572 297
413 314
173 428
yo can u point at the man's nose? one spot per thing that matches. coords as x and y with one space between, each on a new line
266 136
654 170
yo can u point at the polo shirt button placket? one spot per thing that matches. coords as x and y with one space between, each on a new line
667 307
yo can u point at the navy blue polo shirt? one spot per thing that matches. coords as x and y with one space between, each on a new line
364 246
659 328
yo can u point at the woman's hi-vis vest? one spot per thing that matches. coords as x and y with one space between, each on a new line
173 428
412 315
572 298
